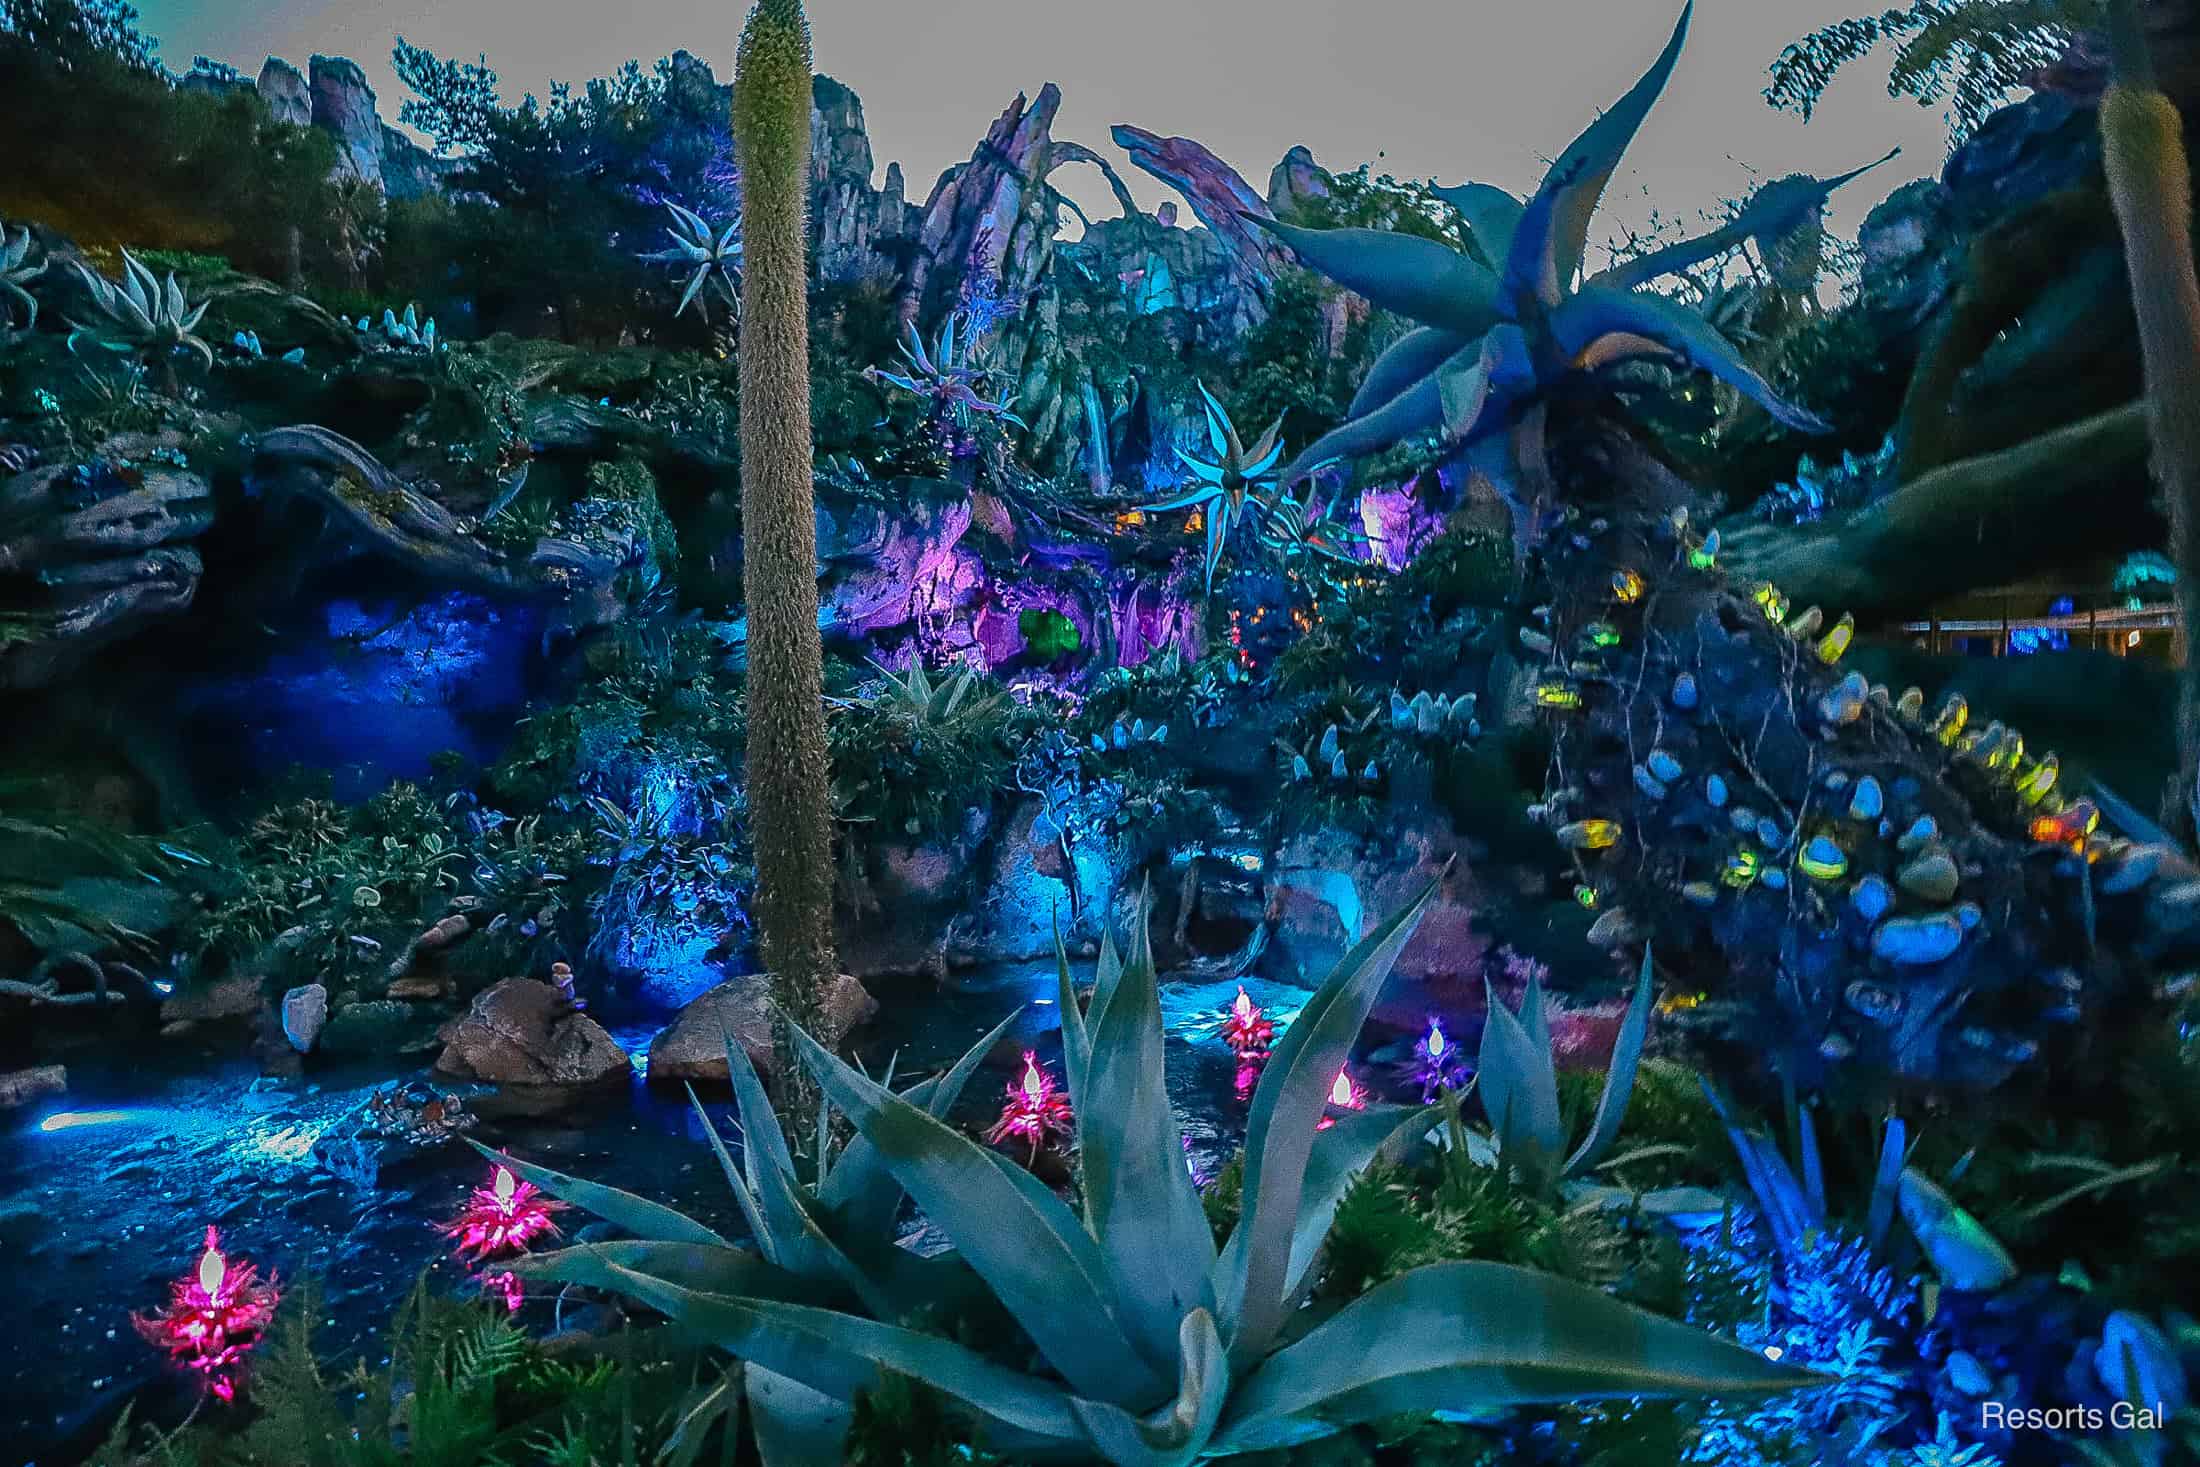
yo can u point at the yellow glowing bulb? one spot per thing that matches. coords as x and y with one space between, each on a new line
212 1270
1589 835
1557 695
1836 642
2040 779
1741 869
1627 586
1954 714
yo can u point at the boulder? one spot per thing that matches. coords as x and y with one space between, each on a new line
1296 181
305 1012
232 998
21 1087
525 1037
693 1045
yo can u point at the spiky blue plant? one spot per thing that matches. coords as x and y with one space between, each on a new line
1494 341
1225 487
149 317
946 375
711 258
400 333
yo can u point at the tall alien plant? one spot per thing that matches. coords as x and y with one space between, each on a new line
1225 486
1137 1339
1495 341
2150 184
789 798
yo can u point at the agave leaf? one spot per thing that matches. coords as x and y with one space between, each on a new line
841 1355
704 1268
1470 1336
697 1414
1339 1154
1186 500
1220 432
1652 325
172 300
1418 409
694 288
1577 178
637 1215
742 1182
795 1425
1411 359
1466 401
1963 1253
1418 278
1788 1215
1279 1136
1814 1171
1178 1432
1491 214
1879 1219
1619 1080
1518 1088
1024 1241
1218 534
1772 213
1139 1199
1076 1033
861 1192
760 1131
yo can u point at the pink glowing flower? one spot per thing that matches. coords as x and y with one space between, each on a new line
1035 1112
502 1218
1344 1094
216 1314
1247 1030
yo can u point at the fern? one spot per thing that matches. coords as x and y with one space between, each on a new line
1972 53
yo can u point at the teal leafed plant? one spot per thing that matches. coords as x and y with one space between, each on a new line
1300 530
1153 1345
146 316
1227 484
944 376
711 258
16 272
1495 340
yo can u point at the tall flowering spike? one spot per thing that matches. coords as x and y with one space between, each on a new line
216 1314
789 797
1036 1112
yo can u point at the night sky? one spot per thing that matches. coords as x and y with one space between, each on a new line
1455 88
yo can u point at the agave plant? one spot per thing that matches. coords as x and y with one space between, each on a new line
944 376
711 258
831 1237
1495 340
16 272
146 316
1150 1345
1299 531
1226 485
940 703
1517 1079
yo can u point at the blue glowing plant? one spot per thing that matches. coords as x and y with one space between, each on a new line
1495 340
1225 486
946 376
711 258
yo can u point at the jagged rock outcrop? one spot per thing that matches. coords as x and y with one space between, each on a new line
849 220
103 550
693 1046
1218 194
343 105
381 514
284 89
1296 181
